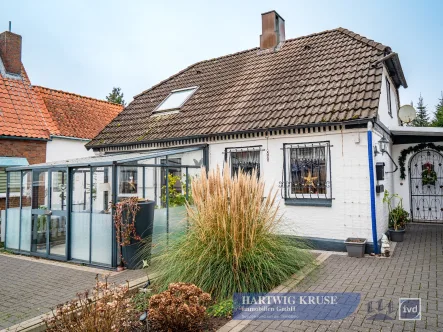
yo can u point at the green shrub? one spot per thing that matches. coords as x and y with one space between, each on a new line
221 309
141 301
398 216
231 245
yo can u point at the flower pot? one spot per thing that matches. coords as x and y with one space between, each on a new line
397 235
144 227
355 247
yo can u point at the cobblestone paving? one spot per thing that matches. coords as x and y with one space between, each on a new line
415 270
30 288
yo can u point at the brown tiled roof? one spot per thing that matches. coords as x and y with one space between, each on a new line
22 111
75 115
320 78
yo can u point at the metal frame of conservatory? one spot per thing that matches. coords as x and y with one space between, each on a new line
90 166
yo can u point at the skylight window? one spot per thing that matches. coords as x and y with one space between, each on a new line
175 100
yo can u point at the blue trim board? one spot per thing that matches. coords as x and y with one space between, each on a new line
372 192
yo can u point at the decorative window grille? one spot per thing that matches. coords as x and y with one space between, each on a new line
244 158
307 172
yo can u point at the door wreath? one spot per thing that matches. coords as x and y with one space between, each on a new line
428 176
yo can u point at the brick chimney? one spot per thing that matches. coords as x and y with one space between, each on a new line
11 52
273 30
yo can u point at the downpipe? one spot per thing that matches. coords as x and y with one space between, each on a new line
372 189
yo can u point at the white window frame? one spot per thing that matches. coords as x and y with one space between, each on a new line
389 96
157 109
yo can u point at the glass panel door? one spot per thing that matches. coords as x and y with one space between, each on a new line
101 221
40 211
57 224
13 211
80 227
26 212
49 215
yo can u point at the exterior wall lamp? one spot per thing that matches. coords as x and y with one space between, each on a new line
383 143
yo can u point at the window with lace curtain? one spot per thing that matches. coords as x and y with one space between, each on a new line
245 158
307 175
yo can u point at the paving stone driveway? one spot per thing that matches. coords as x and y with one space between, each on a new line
29 288
415 270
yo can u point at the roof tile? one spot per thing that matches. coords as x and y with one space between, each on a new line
330 81
75 115
37 112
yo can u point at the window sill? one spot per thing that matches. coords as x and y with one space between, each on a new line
326 202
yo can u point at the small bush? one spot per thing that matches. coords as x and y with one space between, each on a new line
180 308
398 216
108 308
221 309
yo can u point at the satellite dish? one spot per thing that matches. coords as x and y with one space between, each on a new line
407 113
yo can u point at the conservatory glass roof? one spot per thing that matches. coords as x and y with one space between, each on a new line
109 159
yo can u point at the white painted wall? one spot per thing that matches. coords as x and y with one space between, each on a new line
349 215
383 110
402 187
381 209
66 148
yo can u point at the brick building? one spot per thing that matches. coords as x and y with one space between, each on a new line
38 124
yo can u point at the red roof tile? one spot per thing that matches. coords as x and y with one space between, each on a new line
75 115
324 77
37 112
22 111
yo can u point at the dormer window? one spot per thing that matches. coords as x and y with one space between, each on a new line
175 100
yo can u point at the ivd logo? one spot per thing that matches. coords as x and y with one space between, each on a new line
409 309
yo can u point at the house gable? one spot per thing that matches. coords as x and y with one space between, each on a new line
388 114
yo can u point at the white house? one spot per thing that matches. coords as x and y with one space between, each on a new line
297 109
308 113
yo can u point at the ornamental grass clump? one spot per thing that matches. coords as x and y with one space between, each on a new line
231 244
107 307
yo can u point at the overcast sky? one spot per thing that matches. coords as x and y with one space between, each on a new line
87 47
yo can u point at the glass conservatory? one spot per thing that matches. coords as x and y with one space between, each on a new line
63 210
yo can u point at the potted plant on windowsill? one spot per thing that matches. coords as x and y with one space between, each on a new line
398 217
355 247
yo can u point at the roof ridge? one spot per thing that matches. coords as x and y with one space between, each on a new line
75 94
363 39
226 56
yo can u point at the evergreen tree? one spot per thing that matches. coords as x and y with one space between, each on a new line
438 114
116 96
422 118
